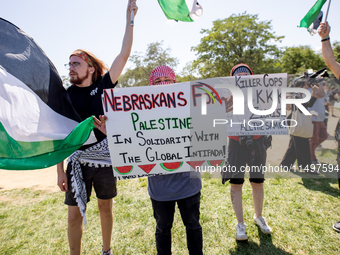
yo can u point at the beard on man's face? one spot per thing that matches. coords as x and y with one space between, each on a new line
78 80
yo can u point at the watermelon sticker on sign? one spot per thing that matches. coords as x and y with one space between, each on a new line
123 169
216 163
172 166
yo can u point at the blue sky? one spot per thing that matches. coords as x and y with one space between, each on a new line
60 27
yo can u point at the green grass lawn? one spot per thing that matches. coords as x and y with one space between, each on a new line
300 211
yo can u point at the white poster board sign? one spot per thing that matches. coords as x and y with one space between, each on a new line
161 130
256 104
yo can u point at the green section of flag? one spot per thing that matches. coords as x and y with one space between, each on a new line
17 155
309 18
175 9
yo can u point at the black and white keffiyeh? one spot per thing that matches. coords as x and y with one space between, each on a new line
97 155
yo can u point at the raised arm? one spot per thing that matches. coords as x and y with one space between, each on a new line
311 102
118 64
327 51
318 91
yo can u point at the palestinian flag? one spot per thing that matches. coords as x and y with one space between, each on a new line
183 10
315 24
38 124
312 14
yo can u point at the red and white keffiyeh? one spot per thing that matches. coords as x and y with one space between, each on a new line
162 71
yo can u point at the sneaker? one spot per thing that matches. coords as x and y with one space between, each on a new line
315 162
262 224
312 172
109 252
336 226
241 232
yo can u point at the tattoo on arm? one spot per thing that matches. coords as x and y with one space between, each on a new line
232 194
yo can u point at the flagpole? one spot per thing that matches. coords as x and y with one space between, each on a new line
132 18
326 14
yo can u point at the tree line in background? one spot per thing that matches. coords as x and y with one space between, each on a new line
237 39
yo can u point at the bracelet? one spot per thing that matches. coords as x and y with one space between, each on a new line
325 39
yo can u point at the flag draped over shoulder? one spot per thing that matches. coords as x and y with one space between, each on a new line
312 14
183 10
38 124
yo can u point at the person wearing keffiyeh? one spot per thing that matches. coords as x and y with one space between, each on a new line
181 188
90 166
167 190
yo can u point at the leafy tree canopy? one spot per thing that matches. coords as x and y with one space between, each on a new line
299 59
237 39
336 49
143 65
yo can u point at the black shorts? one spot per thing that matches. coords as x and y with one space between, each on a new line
239 156
101 178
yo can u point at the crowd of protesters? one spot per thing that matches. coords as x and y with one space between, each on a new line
182 189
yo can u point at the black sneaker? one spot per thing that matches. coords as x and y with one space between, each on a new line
315 162
314 172
336 226
109 252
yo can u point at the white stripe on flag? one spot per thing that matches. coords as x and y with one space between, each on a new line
195 11
25 116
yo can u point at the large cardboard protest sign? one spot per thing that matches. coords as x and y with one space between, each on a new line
257 104
161 130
